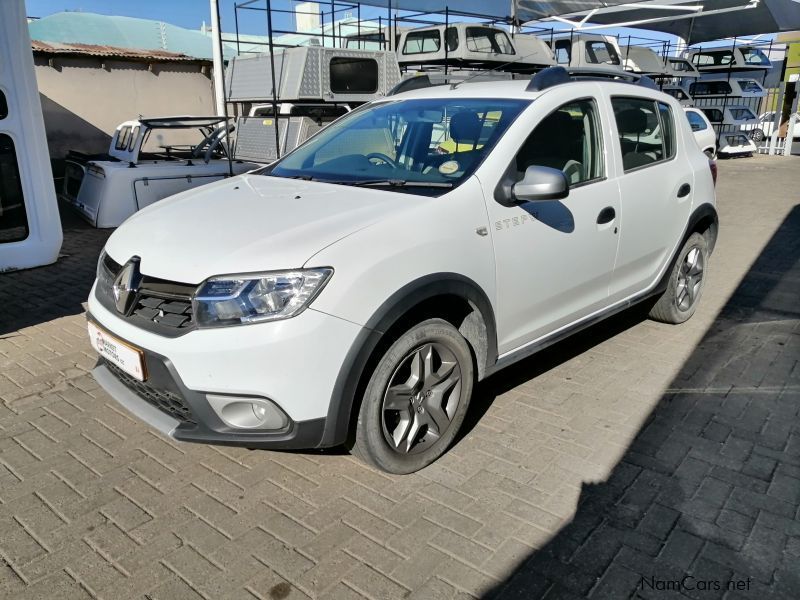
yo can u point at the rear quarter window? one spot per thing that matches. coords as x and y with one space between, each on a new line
354 75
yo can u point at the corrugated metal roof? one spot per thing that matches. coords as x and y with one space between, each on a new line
122 32
77 49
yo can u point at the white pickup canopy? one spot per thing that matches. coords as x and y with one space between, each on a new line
507 10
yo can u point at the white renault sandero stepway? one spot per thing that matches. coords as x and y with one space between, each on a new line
354 291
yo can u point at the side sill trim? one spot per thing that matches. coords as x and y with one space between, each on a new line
542 343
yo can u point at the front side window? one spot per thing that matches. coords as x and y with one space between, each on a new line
122 138
13 217
646 131
488 39
418 146
754 56
354 75
696 122
563 52
601 53
422 42
567 139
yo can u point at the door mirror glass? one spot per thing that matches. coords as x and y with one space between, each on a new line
541 183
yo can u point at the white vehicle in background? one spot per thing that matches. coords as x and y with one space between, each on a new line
472 45
148 160
735 118
767 123
734 144
643 60
726 58
703 131
681 67
588 50
679 93
733 87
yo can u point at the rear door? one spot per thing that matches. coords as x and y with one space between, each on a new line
655 182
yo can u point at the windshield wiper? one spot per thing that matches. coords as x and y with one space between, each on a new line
393 183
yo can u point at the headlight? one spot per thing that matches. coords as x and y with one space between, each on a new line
242 299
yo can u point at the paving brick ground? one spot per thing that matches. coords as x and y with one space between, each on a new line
633 451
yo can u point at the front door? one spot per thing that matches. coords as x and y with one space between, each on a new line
554 259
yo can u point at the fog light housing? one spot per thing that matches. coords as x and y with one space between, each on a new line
248 413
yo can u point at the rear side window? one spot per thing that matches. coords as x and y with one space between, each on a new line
488 39
742 113
354 75
3 106
601 53
422 42
697 122
451 38
13 217
748 85
710 88
122 138
713 59
134 135
714 114
563 52
646 131
667 129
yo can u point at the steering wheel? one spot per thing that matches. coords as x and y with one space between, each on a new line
219 141
382 157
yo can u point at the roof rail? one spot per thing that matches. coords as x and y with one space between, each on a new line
553 76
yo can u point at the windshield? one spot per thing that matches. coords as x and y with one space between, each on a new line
421 143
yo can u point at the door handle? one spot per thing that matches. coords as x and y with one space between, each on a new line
684 190
606 215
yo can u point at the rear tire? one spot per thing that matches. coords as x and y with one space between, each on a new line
686 282
416 399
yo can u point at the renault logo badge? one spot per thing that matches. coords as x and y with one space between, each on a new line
126 285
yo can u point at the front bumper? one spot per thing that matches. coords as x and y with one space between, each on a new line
294 364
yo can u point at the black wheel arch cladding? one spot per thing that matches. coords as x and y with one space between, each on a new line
478 327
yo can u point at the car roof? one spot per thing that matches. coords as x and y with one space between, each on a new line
517 89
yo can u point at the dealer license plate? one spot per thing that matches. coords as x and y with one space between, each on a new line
125 356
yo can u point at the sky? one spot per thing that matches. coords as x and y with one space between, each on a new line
192 13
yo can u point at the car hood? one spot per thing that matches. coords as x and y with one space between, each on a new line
247 224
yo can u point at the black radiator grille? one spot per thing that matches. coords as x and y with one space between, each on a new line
161 306
164 400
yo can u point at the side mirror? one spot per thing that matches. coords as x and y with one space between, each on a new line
540 183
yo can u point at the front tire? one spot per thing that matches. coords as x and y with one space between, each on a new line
757 135
686 283
416 399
